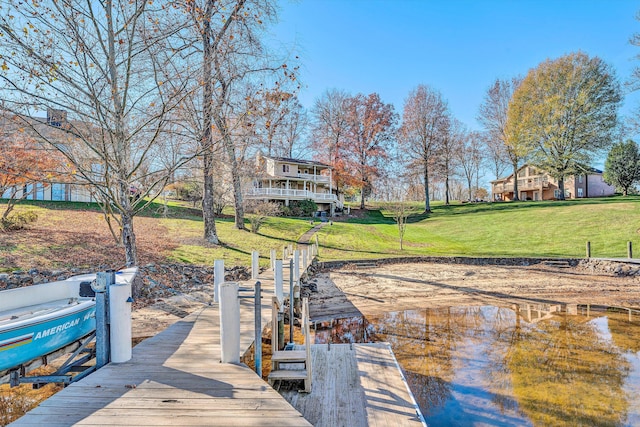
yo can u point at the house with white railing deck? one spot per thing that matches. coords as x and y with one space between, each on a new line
284 179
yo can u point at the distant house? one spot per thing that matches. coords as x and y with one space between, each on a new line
67 185
535 184
283 179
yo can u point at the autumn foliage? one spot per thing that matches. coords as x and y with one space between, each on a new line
22 162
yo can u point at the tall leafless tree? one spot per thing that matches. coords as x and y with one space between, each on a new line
493 116
329 129
470 158
425 121
99 68
446 160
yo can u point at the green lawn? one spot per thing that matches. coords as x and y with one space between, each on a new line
537 229
236 245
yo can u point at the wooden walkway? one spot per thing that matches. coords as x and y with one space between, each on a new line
174 378
355 385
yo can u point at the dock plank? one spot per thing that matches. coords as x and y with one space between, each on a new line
355 385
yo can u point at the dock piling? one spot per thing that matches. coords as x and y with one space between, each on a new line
229 323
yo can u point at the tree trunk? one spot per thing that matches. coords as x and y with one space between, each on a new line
362 198
561 188
427 205
446 191
129 239
206 143
208 214
515 182
235 177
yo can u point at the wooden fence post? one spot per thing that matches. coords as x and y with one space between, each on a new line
629 250
588 249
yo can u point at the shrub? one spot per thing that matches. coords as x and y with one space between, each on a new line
18 220
302 208
259 211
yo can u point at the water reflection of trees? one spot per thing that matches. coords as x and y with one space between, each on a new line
625 334
555 372
425 342
564 373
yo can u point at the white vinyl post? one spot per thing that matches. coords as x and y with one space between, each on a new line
120 316
229 323
255 270
296 266
218 278
305 260
272 258
279 292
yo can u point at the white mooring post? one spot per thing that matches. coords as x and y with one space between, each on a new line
255 269
218 278
279 292
272 258
229 323
296 266
120 315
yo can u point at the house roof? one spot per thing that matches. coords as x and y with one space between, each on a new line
298 161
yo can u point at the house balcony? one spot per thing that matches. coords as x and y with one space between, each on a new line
320 179
523 185
287 194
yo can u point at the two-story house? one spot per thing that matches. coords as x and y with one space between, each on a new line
283 180
535 184
66 185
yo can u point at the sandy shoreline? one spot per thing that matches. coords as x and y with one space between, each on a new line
393 287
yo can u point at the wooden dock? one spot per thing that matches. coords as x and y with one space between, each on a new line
356 385
174 378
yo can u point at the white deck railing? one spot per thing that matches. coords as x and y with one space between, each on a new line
282 193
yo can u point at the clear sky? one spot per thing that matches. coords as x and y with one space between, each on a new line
458 47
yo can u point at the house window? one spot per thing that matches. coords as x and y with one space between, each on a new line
580 194
285 168
580 179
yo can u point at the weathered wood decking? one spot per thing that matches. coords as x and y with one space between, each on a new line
174 378
355 385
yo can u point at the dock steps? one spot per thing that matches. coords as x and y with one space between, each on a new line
281 361
288 374
296 356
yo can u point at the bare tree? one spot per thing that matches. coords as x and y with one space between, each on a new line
329 129
294 130
470 158
425 121
493 116
232 58
98 69
446 161
400 212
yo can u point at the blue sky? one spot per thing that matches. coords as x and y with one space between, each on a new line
458 47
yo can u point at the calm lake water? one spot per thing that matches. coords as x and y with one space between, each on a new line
517 366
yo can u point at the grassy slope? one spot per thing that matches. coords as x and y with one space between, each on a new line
498 229
75 234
